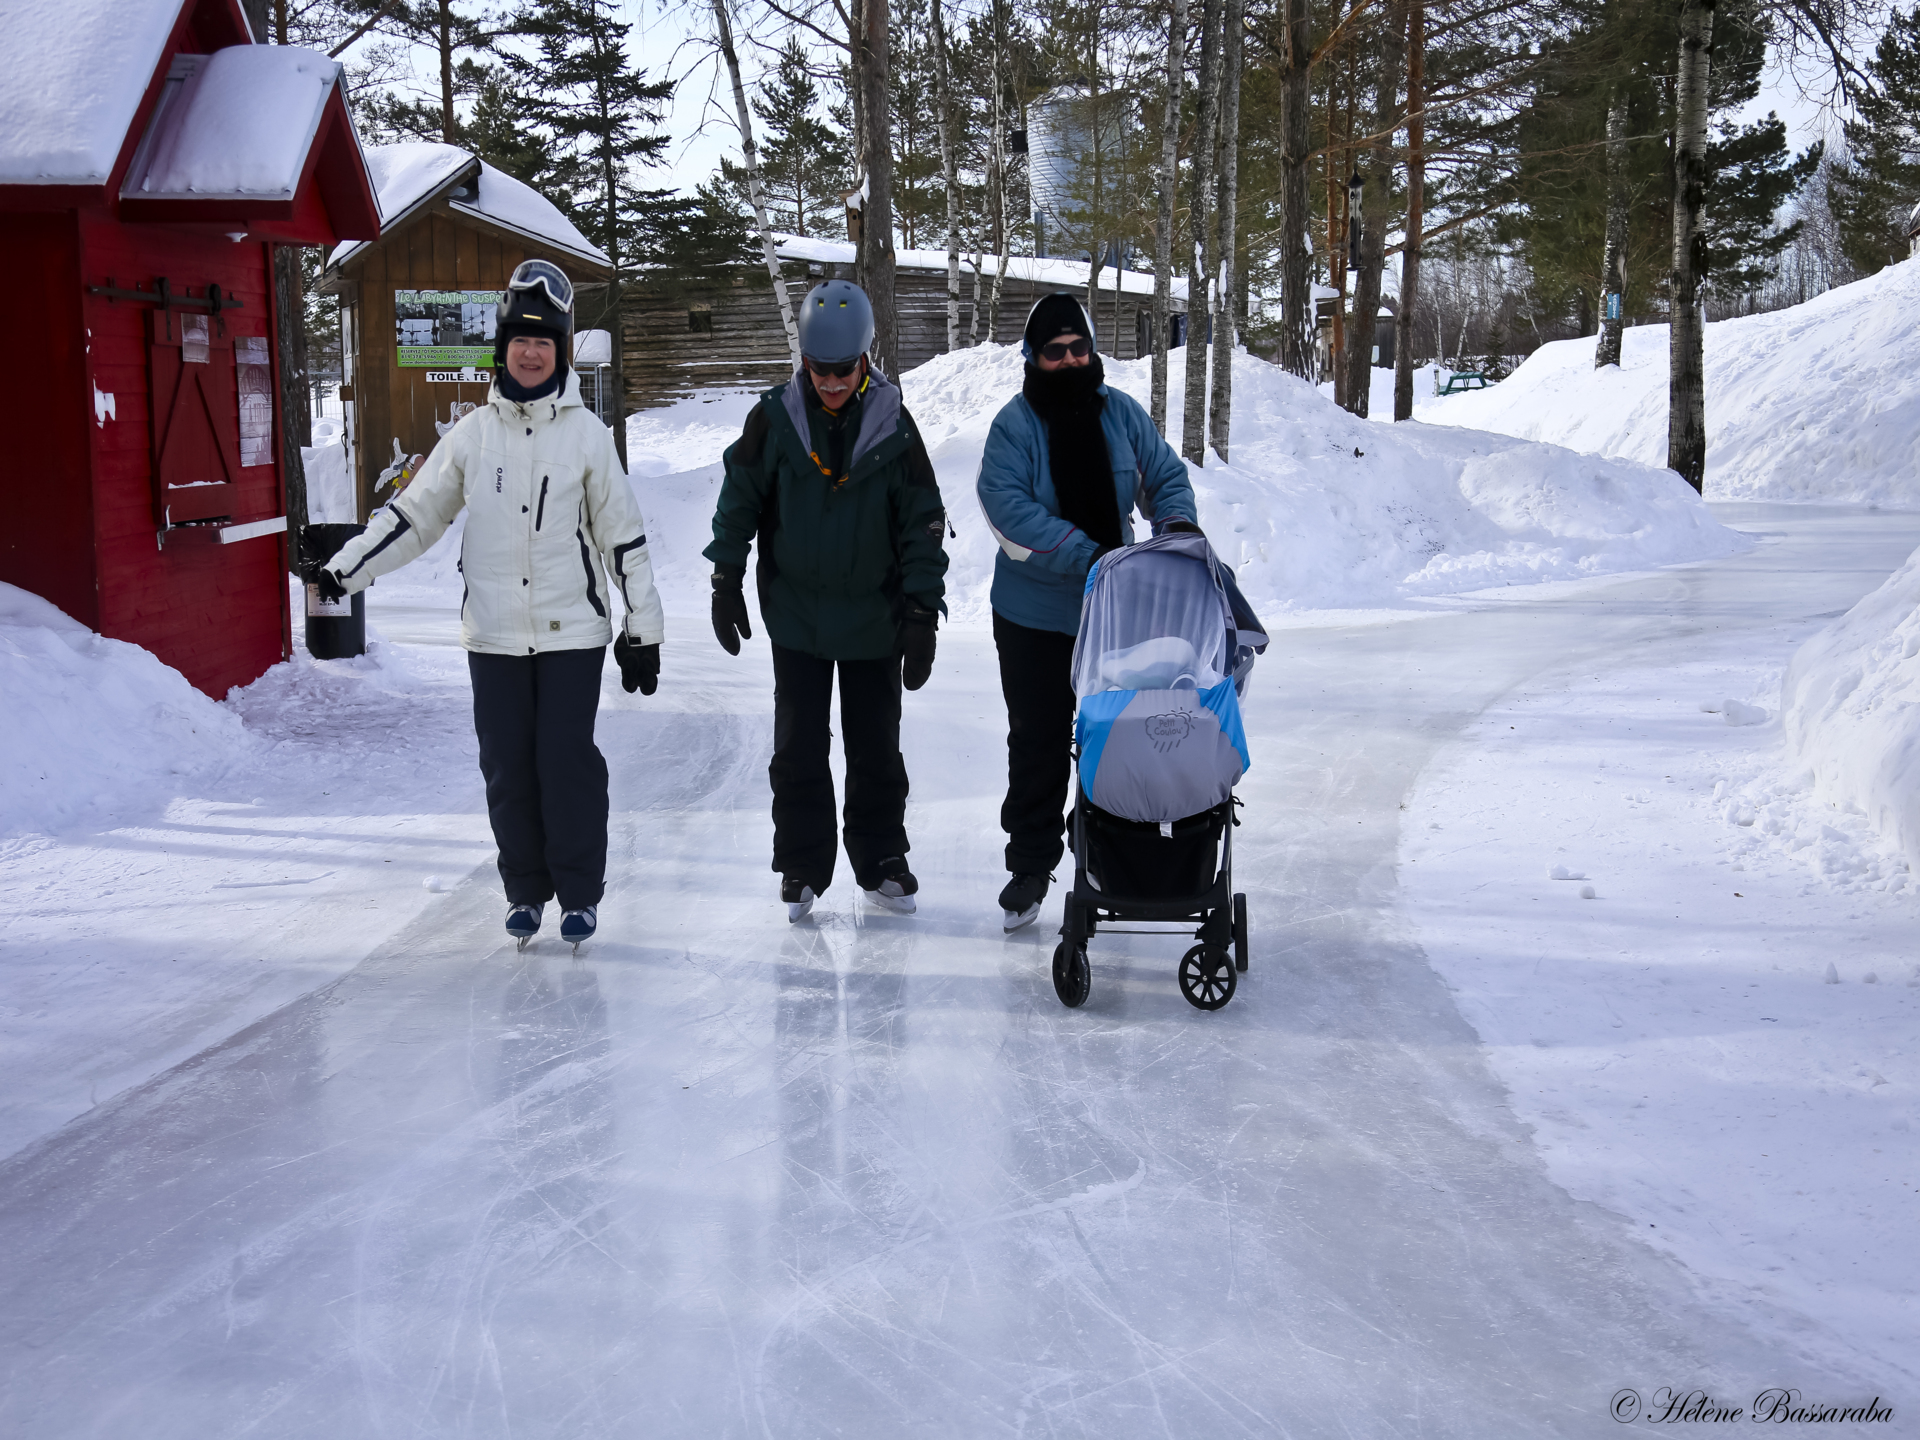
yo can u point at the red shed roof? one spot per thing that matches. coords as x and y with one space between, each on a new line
235 135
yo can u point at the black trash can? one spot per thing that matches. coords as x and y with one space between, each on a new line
336 631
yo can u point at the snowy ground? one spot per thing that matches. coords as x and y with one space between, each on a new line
722 1176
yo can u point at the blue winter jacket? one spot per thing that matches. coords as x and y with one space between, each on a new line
1040 575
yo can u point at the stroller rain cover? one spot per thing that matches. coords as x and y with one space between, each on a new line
1165 648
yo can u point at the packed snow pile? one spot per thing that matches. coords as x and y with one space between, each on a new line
1851 707
95 725
1818 403
330 498
1318 508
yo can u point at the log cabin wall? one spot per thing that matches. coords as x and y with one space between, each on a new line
726 334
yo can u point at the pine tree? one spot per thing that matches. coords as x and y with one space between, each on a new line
803 158
497 130
582 90
1874 192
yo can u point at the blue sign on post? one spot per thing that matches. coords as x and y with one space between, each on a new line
1613 305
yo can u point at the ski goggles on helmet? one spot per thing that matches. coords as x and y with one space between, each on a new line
837 370
541 275
1058 350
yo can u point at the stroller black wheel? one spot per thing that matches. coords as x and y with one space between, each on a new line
1240 933
1207 977
1072 975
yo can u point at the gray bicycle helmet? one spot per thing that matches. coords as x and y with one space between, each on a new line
836 322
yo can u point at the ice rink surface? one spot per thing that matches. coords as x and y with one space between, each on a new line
864 1176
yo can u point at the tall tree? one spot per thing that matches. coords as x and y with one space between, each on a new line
874 257
1226 206
1376 202
1409 303
1872 193
449 30
1613 265
803 160
1193 430
950 171
1686 400
1169 180
581 88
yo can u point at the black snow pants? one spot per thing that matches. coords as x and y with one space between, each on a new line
546 779
876 808
1036 676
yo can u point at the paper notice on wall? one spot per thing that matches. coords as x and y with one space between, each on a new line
193 339
254 376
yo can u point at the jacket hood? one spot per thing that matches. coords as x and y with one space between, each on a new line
879 412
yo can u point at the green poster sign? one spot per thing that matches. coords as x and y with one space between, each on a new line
444 329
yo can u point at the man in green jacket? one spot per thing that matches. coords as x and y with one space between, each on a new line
831 476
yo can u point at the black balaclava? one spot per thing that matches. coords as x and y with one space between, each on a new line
1070 402
511 388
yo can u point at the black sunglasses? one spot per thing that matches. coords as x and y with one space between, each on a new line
838 371
1059 350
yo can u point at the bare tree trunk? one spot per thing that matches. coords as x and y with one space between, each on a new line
1226 202
1376 202
744 118
1686 397
1002 237
449 122
950 166
1297 327
1163 227
296 394
1613 285
973 320
1416 209
875 254
1193 430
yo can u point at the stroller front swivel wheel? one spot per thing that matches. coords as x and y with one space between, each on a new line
1072 975
1207 977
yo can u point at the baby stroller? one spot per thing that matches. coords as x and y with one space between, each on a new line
1166 645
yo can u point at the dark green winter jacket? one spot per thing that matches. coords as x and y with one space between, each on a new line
842 538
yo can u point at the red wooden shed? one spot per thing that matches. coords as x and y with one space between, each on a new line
150 156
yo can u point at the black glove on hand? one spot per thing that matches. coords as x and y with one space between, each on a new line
916 644
1182 527
329 586
730 624
639 665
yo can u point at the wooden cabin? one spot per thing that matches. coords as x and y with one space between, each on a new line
417 305
152 158
683 338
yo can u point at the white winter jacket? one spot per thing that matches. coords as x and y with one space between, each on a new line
546 503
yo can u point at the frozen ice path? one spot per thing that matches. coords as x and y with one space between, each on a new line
725 1177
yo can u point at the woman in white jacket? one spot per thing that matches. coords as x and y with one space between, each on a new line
548 505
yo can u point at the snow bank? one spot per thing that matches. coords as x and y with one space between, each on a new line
95 725
1816 403
1851 708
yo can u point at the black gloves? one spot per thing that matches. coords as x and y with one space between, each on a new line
329 586
1182 527
730 624
639 665
916 644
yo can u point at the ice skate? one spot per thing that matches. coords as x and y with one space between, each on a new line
892 886
1020 900
523 922
577 926
799 897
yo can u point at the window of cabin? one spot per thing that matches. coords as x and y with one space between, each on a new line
700 320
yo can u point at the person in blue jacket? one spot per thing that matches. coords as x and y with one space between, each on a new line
1066 463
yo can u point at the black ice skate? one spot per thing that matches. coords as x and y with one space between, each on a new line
523 922
1020 900
891 886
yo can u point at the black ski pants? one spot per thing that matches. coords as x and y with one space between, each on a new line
546 779
1036 676
876 808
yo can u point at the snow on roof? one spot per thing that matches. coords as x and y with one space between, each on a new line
1041 270
79 72
237 122
409 175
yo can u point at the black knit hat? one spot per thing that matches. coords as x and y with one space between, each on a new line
1056 315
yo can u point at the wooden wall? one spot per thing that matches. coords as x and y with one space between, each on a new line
217 613
437 250
667 358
